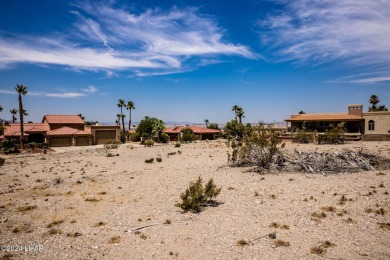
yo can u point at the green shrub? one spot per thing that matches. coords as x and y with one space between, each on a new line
9 146
302 136
187 135
257 147
334 135
196 196
2 161
135 137
164 138
149 143
177 144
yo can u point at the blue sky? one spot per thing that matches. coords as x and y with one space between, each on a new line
191 60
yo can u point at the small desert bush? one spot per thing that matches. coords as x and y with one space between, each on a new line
149 143
2 161
257 147
303 137
112 145
159 159
197 196
149 160
280 242
334 135
187 135
177 144
242 242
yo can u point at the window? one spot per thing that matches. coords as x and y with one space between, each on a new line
324 124
371 125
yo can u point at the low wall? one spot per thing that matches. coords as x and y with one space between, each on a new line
376 138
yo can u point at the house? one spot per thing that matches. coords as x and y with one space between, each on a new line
58 121
201 132
63 130
33 132
365 125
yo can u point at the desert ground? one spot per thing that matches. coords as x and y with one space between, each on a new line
84 205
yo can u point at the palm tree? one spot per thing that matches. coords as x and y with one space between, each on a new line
22 90
235 109
13 112
130 106
82 117
121 104
374 99
207 122
118 119
240 114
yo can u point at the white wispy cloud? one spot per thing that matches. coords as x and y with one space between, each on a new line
352 32
90 89
61 94
108 39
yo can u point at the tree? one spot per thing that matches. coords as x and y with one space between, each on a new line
118 119
1 108
207 123
301 112
130 106
374 99
22 90
121 104
150 127
240 114
13 112
82 117
235 109
187 135
214 126
382 108
234 129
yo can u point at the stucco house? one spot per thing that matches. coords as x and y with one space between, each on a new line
365 125
63 130
201 132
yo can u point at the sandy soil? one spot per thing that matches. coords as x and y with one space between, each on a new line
84 205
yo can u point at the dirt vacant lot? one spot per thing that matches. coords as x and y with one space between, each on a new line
85 205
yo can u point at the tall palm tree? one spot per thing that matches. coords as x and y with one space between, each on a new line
207 122
121 104
22 90
13 112
118 119
235 109
240 114
82 117
130 106
374 99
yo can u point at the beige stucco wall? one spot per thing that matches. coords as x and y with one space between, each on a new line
382 122
92 129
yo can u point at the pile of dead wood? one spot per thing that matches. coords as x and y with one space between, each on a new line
319 162
344 161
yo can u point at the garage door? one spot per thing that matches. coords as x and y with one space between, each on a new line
82 141
103 137
60 141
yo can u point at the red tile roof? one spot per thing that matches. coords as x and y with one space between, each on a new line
14 129
66 131
132 131
323 117
63 119
195 129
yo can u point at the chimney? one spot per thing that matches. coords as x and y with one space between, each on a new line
355 110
